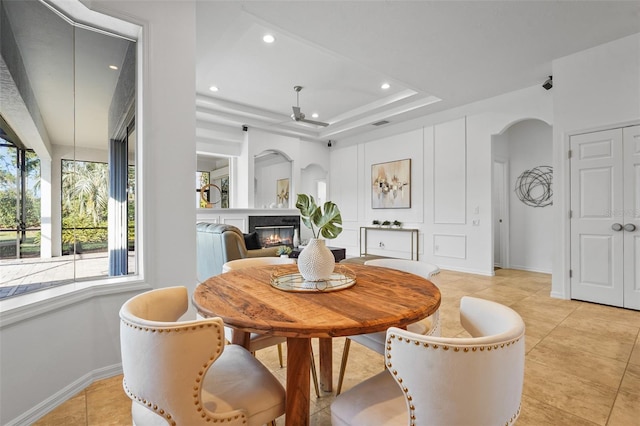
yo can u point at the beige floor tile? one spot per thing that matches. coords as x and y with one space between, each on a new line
72 412
469 286
535 325
502 294
107 403
611 314
609 330
537 307
583 340
626 410
635 354
536 413
582 363
631 379
567 392
321 418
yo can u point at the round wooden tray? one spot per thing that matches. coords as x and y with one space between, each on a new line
341 278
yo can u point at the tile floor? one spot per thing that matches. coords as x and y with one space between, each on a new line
582 361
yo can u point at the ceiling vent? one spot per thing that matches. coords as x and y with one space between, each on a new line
380 123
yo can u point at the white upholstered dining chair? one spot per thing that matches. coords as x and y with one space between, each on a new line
261 341
256 261
433 380
182 373
375 341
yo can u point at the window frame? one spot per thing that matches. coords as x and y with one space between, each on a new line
23 307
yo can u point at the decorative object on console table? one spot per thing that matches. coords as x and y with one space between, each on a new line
283 251
316 262
391 185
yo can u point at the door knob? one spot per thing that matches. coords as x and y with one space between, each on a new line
617 227
629 227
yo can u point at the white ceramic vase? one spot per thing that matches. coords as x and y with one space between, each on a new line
316 262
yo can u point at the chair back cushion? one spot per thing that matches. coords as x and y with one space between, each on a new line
164 361
216 245
462 381
256 261
426 270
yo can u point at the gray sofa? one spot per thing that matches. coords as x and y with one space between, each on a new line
218 244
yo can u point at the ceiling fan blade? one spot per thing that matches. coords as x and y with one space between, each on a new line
317 123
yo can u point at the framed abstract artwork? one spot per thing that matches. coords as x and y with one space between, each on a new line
391 185
282 192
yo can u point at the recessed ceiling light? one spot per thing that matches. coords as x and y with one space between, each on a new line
385 86
268 38
214 88
113 67
315 115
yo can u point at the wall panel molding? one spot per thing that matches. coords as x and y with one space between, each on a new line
450 172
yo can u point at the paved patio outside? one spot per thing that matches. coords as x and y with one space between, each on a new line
19 276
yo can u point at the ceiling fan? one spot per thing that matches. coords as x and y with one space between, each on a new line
299 115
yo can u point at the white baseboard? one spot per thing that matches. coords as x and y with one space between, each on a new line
68 392
529 269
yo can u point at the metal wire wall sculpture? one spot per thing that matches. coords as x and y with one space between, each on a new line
533 187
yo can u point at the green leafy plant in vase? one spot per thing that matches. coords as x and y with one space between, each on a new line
316 262
284 251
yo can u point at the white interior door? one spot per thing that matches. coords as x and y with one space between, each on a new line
500 214
631 140
597 254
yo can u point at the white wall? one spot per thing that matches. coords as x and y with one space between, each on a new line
596 89
530 145
301 153
468 247
54 347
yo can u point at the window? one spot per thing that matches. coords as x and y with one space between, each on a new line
19 202
67 150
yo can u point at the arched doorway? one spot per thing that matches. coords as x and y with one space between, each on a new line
522 196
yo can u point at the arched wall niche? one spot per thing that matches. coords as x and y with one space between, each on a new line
313 180
272 179
514 122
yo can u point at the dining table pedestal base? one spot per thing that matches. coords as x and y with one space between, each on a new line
298 384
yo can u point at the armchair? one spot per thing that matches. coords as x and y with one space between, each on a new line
218 244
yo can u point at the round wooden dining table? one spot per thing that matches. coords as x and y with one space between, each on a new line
380 298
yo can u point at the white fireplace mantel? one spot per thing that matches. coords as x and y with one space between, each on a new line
239 217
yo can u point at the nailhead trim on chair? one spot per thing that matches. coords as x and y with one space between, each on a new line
409 398
198 381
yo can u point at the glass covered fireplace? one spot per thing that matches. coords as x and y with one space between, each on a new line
270 236
274 230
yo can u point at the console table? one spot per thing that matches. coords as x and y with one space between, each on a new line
338 253
414 238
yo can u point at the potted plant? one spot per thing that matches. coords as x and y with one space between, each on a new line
316 262
386 223
376 222
397 224
283 251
